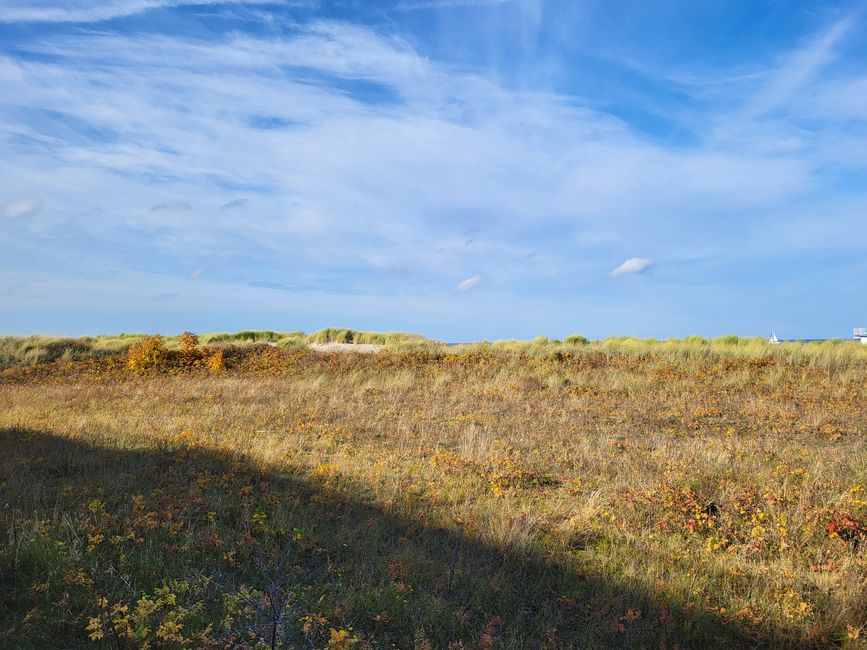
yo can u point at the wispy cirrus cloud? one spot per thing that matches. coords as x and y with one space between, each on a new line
389 159
799 67
417 5
89 11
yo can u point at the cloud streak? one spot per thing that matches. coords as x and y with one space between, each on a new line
89 11
19 208
443 4
469 284
799 67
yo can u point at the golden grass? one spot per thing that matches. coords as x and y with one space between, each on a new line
490 496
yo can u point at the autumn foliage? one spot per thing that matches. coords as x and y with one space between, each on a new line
147 353
151 353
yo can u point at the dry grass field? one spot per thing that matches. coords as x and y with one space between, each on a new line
683 495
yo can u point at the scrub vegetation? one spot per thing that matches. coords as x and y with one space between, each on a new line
216 491
25 350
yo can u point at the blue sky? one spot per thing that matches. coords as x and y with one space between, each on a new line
464 169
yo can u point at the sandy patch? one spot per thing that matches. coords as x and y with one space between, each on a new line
345 347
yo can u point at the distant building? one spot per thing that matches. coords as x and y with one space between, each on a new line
858 334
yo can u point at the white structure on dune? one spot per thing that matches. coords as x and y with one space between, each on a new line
859 334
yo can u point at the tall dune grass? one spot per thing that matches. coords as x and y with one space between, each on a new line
17 350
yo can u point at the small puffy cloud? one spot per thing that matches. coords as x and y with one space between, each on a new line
195 274
237 203
469 284
20 208
632 265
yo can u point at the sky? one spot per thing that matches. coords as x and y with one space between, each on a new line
464 169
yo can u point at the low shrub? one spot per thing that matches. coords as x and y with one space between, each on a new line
216 361
188 343
148 352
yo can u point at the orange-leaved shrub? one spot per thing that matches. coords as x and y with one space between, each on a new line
188 342
148 352
216 362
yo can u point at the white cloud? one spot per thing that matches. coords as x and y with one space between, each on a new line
632 265
94 10
20 208
195 274
469 284
798 68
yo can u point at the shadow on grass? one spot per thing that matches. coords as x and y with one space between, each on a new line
133 520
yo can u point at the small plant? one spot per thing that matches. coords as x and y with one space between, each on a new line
216 362
148 352
188 343
576 339
341 639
